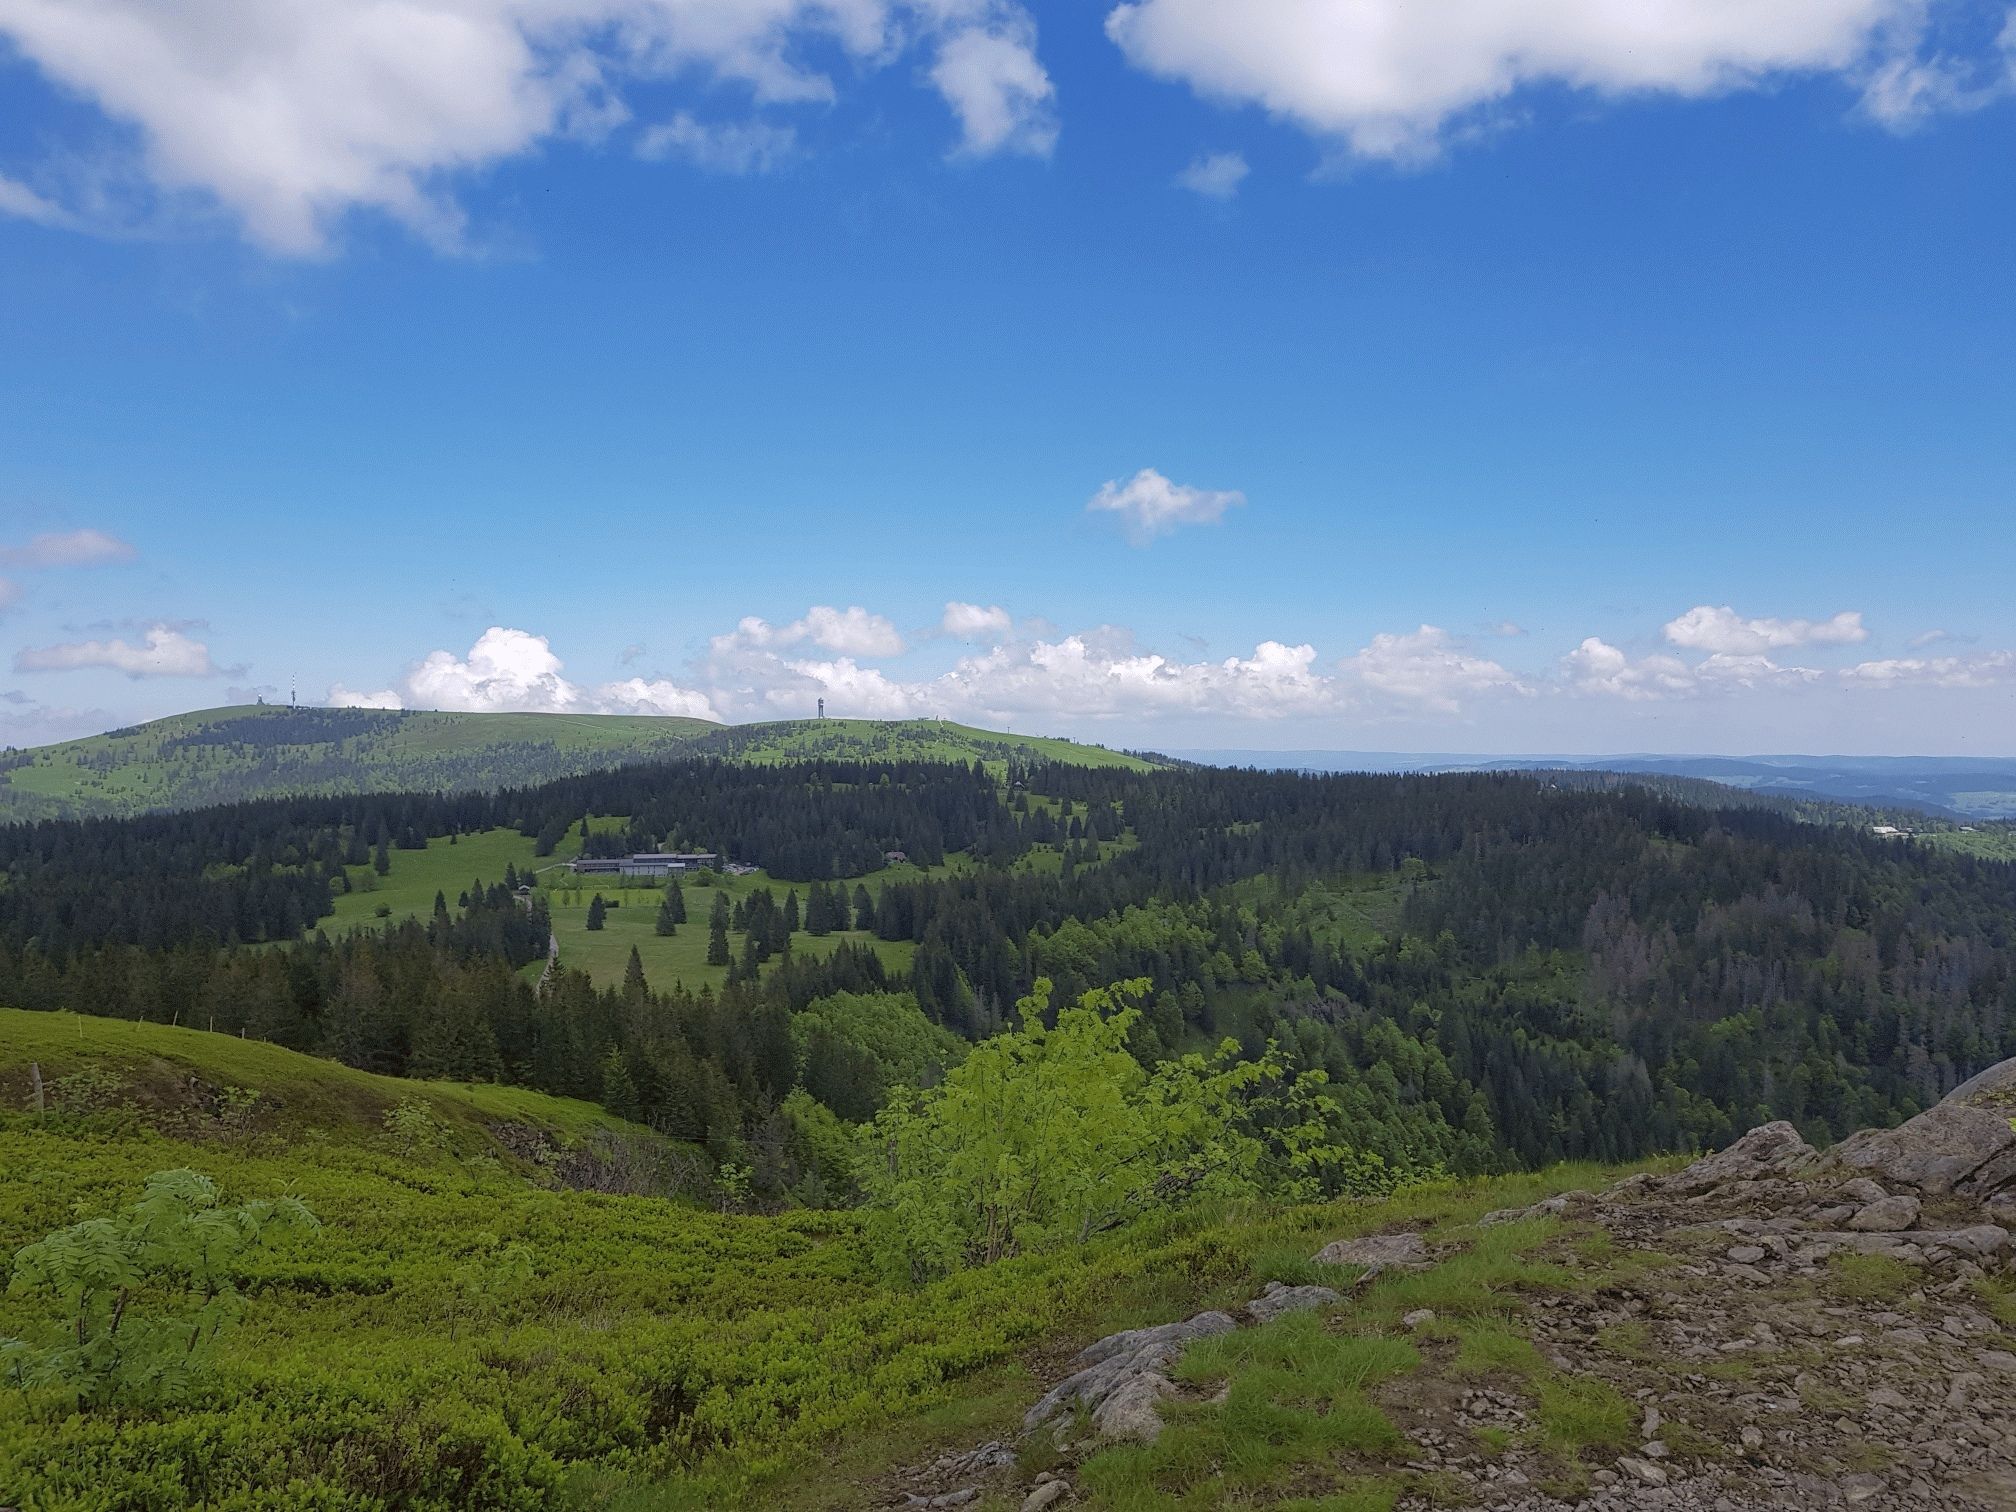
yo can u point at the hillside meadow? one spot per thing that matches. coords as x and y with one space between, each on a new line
658 1354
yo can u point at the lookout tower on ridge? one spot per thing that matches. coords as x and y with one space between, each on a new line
822 708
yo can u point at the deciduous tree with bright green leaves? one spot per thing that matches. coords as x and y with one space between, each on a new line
1043 1137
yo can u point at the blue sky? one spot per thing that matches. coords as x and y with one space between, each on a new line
1583 377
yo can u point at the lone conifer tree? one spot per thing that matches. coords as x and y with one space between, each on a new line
597 911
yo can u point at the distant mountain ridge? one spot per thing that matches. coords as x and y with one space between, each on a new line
269 751
1962 787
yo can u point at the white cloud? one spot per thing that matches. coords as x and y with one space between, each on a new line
291 114
515 671
730 147
18 199
1927 638
1150 505
1937 671
341 697
1596 666
10 594
1428 667
1387 78
973 622
637 695
71 548
1216 175
852 631
1101 674
1723 630
1001 94
166 652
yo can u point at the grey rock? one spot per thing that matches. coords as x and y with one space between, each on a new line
1103 1370
1421 1317
1772 1149
1561 1205
1377 1250
1045 1495
1745 1254
1131 1412
1278 1299
1642 1470
1861 1191
1887 1215
1962 1143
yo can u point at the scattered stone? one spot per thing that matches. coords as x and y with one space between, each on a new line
1563 1205
1376 1251
1277 1299
1642 1470
1745 1254
1887 1215
1046 1495
1421 1317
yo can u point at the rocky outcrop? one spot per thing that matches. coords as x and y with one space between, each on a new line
1768 1151
1120 1379
1962 1144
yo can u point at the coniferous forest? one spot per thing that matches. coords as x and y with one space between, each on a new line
1493 972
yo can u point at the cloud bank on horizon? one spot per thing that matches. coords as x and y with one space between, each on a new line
317 109
1103 675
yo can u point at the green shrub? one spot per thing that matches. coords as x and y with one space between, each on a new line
140 1297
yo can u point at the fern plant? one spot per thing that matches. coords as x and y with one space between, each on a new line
140 1298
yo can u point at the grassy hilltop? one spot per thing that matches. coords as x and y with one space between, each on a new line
267 751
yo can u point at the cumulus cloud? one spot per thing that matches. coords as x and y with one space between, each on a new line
974 622
991 78
1722 630
70 548
1149 505
1102 674
1597 667
293 113
1428 667
852 631
341 697
1387 78
509 670
1215 175
165 652
728 147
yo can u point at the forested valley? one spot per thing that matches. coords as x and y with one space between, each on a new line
1490 972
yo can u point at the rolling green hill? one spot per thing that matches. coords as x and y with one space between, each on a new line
904 740
266 751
